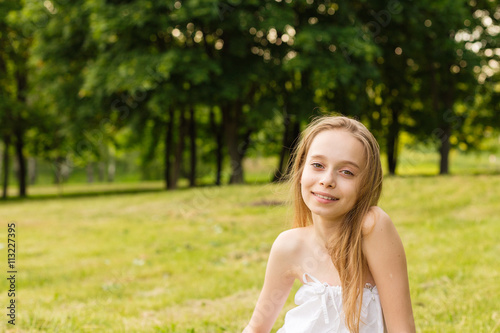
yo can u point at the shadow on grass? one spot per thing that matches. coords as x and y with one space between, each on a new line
71 194
451 174
82 194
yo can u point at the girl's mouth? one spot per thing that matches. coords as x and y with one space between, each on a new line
325 197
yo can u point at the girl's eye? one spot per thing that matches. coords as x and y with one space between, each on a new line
347 172
316 165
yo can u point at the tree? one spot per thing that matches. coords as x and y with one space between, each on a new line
447 83
15 39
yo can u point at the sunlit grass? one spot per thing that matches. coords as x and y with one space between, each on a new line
126 262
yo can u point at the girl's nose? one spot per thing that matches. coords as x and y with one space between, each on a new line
328 181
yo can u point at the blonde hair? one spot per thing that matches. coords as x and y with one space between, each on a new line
345 248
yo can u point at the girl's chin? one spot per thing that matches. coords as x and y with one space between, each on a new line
326 215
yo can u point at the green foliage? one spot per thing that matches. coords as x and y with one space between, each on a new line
97 69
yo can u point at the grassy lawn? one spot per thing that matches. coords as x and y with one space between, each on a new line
193 260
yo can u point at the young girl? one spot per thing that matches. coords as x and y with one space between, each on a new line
344 249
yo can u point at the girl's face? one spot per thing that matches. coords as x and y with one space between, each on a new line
331 174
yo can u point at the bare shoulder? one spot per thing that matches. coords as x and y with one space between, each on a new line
379 233
289 242
376 221
286 250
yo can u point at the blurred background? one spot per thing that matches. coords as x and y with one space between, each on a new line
199 92
107 106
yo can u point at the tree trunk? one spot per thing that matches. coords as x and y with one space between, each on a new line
216 129
58 170
285 149
110 154
168 149
90 172
230 117
111 168
21 80
192 140
443 132
392 140
21 159
66 170
444 150
293 143
5 166
290 137
179 149
32 170
100 171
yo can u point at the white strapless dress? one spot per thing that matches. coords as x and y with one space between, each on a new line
319 310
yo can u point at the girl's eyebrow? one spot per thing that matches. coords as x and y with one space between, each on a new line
340 162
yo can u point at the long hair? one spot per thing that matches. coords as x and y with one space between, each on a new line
345 247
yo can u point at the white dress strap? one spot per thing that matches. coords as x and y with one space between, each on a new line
306 275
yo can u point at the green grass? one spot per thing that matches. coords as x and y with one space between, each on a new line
193 260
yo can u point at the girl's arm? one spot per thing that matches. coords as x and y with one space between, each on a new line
277 285
386 259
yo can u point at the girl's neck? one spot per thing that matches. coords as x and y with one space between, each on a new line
324 229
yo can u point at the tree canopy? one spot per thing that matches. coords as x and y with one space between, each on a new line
197 83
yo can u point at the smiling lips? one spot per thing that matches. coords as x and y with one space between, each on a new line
323 196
